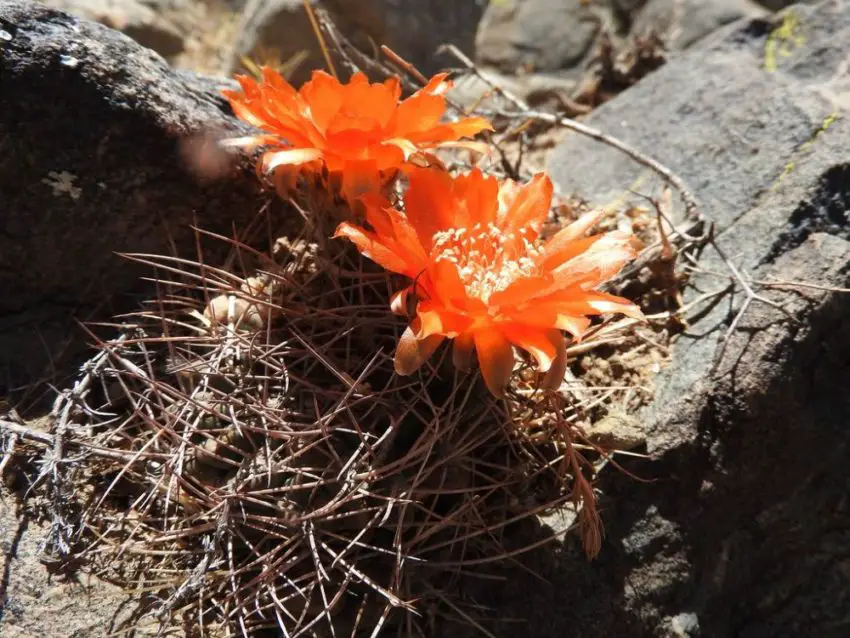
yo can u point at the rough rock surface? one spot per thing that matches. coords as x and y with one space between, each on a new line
412 28
744 531
91 131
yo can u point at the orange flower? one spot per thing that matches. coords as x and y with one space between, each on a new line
482 277
359 131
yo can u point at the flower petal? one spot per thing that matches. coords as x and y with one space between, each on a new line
527 206
521 291
400 302
496 359
412 352
601 261
431 318
558 250
579 302
429 204
462 349
552 315
360 177
555 376
375 248
579 227
542 344
289 157
477 199
469 127
323 94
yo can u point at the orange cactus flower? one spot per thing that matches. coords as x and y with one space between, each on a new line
482 277
359 131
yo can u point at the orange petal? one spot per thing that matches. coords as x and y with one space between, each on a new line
372 246
527 206
276 81
470 126
576 326
580 226
249 142
360 177
477 199
243 111
445 285
432 318
412 352
496 359
555 376
407 147
521 291
437 85
323 94
558 249
462 349
387 156
289 157
601 261
589 302
420 112
551 315
429 204
542 344
393 84
400 302
445 133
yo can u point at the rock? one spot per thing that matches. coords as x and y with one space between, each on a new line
538 35
91 128
415 29
777 5
683 22
35 603
617 431
743 528
142 21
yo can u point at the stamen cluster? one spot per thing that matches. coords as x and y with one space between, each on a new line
487 258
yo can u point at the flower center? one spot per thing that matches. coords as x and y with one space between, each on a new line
487 258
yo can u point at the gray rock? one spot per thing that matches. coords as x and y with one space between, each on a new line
141 20
537 35
414 29
91 128
744 529
683 22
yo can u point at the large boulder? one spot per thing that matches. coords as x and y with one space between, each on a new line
92 128
744 530
539 35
